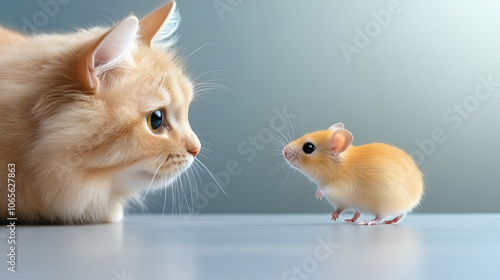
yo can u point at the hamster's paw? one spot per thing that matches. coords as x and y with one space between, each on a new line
369 223
336 214
354 218
395 220
318 194
373 222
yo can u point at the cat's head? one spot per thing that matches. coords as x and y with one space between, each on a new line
119 107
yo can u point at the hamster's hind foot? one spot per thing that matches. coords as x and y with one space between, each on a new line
354 218
373 222
336 214
395 220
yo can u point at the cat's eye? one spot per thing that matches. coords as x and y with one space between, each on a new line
155 120
308 148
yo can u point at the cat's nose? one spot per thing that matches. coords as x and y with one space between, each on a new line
193 148
193 145
194 151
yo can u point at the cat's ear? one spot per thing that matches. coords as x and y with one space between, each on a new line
158 28
107 52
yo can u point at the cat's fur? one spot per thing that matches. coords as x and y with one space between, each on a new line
73 113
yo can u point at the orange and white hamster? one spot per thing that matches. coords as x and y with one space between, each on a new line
375 178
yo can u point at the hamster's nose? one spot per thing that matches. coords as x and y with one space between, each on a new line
287 154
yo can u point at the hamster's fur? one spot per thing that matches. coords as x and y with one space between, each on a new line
375 178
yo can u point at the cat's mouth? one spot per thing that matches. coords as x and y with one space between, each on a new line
150 175
165 173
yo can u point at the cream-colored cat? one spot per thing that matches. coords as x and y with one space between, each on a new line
89 118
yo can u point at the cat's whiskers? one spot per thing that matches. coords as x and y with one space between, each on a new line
189 174
210 85
184 192
109 11
173 187
209 155
214 84
210 152
212 81
183 59
197 177
164 202
199 91
210 132
197 161
211 71
190 178
179 196
152 180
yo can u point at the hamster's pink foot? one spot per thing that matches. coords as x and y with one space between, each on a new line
354 218
318 194
395 220
373 222
336 214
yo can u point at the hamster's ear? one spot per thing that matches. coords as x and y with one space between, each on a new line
158 27
107 52
340 141
336 126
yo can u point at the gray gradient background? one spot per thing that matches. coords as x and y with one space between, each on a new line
280 53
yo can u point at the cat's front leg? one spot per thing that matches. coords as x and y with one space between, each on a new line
115 214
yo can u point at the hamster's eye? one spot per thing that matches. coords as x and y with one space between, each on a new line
155 120
308 148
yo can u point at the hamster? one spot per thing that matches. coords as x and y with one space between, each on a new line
375 178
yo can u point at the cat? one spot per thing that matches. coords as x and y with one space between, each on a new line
90 119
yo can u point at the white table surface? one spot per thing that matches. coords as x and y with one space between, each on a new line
444 247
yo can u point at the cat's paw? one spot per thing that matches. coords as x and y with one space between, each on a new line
114 216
